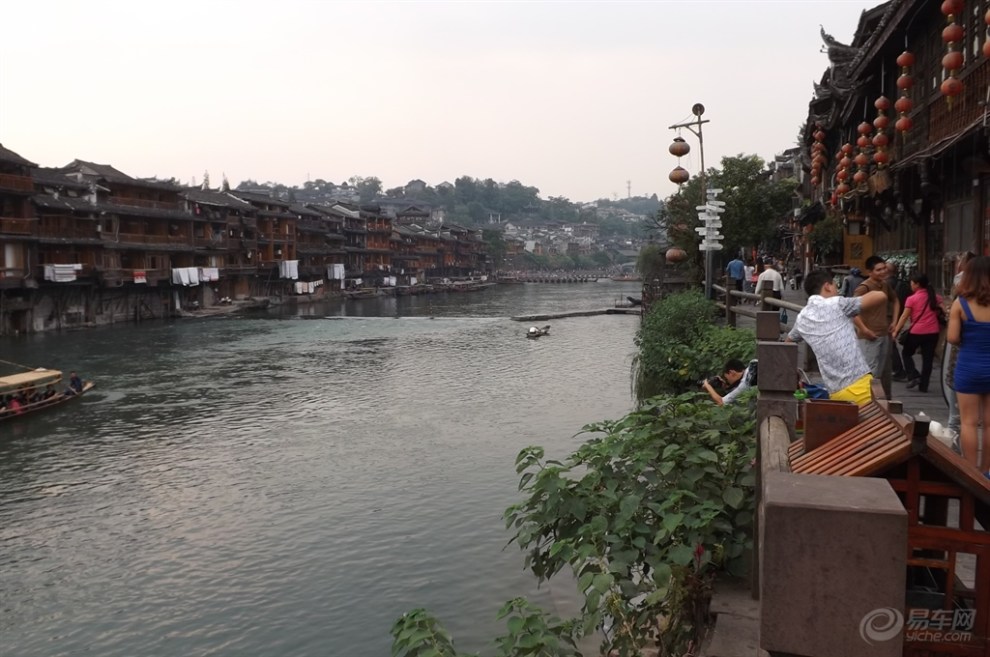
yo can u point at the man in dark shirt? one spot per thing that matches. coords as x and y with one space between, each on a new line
75 383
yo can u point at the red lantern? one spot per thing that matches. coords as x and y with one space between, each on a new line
952 60
905 82
880 140
905 59
675 254
819 135
951 87
815 181
846 162
952 7
952 33
679 175
904 124
862 160
679 148
842 175
881 158
842 189
903 104
864 128
860 177
881 122
882 103
863 141
847 148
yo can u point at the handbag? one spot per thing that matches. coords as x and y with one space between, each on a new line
902 337
943 321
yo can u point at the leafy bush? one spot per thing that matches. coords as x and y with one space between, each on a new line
644 513
531 631
680 343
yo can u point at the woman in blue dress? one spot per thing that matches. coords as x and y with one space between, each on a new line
969 330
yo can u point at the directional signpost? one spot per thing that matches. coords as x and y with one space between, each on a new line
709 214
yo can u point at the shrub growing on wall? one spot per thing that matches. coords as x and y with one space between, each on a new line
679 343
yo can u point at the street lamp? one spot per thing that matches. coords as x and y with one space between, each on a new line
680 176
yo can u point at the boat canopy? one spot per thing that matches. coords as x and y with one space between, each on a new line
38 377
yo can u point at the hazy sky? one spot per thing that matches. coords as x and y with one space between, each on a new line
574 98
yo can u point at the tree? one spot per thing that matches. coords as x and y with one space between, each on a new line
466 189
369 189
754 206
495 245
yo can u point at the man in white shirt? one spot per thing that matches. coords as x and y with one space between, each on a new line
770 277
826 325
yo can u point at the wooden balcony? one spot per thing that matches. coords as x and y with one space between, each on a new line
218 242
10 182
18 226
136 238
143 203
116 276
68 233
945 120
12 277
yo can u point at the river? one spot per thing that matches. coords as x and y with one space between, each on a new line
289 484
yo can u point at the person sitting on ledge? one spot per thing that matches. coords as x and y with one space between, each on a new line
826 324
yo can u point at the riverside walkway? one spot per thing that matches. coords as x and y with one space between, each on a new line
931 403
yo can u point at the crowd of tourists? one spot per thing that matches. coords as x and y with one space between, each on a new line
880 319
887 317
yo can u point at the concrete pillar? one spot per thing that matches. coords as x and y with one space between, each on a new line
834 556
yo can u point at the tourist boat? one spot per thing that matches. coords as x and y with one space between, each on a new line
31 382
537 332
627 278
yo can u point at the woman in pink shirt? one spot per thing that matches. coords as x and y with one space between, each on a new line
920 307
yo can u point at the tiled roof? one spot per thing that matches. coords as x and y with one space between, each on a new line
304 210
55 178
252 197
112 175
77 204
210 197
9 156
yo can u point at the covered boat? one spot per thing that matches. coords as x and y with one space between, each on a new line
35 390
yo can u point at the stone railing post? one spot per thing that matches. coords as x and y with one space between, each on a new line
832 566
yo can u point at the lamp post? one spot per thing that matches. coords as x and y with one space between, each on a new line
680 176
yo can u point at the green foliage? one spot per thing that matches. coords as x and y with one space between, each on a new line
826 238
755 206
530 631
644 513
651 261
679 344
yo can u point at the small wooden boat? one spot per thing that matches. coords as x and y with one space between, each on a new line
537 332
42 385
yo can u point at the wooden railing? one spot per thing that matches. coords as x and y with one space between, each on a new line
18 226
70 233
18 183
144 203
946 118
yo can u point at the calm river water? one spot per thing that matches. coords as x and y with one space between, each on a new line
286 485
